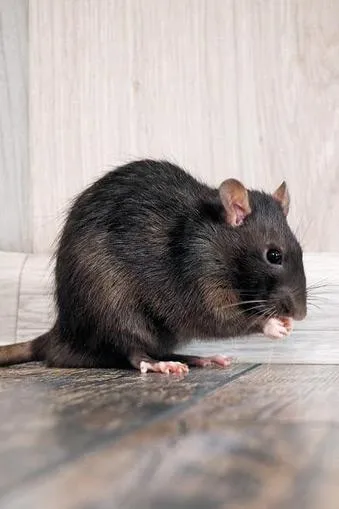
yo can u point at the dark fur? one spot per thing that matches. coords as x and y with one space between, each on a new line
146 261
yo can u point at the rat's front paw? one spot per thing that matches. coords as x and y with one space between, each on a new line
277 328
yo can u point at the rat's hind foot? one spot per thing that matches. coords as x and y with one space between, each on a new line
203 362
214 360
277 328
145 363
166 367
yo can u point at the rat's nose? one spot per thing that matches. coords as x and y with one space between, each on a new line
286 307
289 305
300 312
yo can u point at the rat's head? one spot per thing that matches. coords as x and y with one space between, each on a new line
268 257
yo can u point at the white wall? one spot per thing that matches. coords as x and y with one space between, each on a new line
15 207
244 88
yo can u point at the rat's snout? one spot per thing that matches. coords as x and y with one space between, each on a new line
293 306
301 313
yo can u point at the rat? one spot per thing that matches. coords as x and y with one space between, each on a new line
150 258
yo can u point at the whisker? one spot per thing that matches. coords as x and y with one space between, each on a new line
272 312
319 287
316 283
321 283
314 305
318 298
268 313
235 304
258 307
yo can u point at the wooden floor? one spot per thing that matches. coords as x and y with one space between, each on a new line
263 434
253 436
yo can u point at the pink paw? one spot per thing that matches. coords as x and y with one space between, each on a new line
215 360
277 328
164 367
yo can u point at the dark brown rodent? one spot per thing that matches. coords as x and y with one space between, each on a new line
149 258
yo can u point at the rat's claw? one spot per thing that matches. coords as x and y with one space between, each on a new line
277 328
165 367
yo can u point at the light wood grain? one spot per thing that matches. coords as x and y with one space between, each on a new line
11 267
287 76
304 347
117 80
35 306
15 211
243 88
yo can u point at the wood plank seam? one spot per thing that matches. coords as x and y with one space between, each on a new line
18 297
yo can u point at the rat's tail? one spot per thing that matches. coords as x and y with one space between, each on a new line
28 351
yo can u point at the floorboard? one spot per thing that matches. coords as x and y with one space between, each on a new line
267 437
55 416
263 434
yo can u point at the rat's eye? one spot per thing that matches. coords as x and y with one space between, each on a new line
274 256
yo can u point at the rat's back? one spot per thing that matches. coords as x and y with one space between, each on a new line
134 210
156 187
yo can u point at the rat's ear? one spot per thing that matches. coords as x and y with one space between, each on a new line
234 197
283 197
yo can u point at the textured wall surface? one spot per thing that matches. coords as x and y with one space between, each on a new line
244 88
15 207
